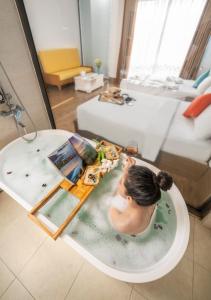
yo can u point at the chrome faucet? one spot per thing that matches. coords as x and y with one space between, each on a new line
14 110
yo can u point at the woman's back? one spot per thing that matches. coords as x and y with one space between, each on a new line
139 189
132 220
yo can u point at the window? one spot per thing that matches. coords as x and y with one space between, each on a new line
163 33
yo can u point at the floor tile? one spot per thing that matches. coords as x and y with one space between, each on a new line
10 210
175 285
201 284
16 292
207 220
202 245
189 251
19 242
92 284
136 296
6 277
51 271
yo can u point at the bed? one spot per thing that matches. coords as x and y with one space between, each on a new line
181 141
153 122
165 139
182 91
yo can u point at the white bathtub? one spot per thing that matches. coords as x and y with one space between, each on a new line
24 168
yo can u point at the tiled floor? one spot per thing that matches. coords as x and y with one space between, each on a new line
32 266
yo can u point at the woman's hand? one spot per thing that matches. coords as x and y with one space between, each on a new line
129 162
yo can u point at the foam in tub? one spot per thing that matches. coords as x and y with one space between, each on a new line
133 259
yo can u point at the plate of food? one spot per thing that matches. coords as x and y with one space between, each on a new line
92 175
112 95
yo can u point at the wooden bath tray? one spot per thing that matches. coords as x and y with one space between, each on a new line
106 143
80 190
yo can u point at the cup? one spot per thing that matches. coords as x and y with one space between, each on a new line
132 147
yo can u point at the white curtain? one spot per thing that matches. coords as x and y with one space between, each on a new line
163 33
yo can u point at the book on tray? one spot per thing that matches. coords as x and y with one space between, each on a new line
73 156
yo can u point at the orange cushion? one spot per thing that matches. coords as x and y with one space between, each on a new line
197 106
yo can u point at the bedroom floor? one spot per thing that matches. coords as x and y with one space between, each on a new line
32 266
65 102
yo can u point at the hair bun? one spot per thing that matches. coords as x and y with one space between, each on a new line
164 180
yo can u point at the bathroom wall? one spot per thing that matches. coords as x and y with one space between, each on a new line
15 57
54 23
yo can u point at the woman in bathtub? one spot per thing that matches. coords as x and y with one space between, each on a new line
135 201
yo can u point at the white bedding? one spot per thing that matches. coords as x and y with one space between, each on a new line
157 126
141 122
181 91
181 141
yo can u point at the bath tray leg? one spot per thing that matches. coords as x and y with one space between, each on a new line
66 185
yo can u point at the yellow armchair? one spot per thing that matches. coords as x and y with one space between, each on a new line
60 66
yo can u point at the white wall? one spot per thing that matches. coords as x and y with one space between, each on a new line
101 26
100 13
94 16
116 20
86 31
54 23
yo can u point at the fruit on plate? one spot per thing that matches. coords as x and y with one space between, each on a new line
111 153
108 165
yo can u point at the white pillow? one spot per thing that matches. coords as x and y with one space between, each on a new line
202 124
208 91
206 83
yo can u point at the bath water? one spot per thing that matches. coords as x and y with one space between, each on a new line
92 230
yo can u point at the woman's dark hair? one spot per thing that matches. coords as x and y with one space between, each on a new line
144 186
